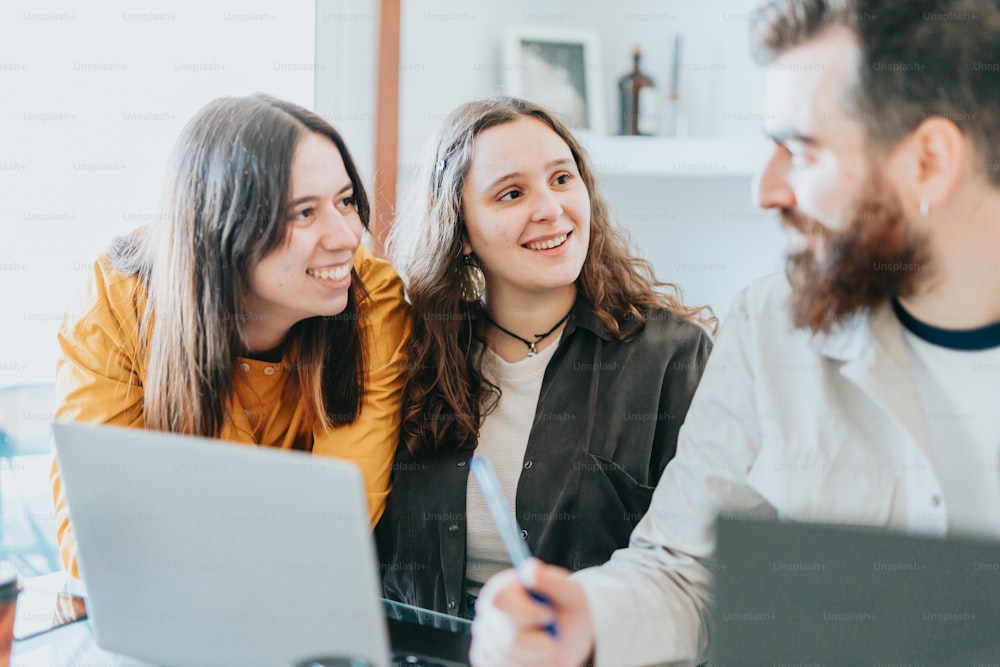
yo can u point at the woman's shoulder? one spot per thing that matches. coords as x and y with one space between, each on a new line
108 309
112 275
379 278
375 273
112 289
385 304
662 326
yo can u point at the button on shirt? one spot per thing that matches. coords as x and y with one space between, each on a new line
259 389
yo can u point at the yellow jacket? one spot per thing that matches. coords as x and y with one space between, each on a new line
100 373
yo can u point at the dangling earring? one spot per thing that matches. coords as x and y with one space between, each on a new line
471 281
925 208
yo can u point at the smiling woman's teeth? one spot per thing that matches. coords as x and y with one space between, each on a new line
551 243
330 274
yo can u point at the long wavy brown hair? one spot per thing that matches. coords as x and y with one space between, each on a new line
446 395
225 209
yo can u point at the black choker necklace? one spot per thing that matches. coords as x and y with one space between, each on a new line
532 351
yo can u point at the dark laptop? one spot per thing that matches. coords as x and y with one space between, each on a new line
797 594
423 638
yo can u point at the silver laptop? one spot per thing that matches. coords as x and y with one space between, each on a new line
201 552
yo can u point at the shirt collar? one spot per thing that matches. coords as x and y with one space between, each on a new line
582 316
855 333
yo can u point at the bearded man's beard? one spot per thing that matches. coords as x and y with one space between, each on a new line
876 258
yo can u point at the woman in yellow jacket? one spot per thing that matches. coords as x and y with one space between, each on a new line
251 312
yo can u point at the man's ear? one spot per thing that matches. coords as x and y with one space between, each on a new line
941 153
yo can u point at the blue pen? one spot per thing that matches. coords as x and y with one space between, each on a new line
516 547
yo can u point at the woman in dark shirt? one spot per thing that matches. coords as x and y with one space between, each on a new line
540 341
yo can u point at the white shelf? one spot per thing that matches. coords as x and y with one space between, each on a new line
657 157
661 157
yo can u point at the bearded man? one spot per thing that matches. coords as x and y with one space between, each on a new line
861 387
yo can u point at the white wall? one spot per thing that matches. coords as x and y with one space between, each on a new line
346 74
701 232
92 96
452 52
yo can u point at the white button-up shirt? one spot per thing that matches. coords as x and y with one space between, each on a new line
786 424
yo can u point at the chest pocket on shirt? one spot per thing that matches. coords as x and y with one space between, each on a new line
839 484
610 490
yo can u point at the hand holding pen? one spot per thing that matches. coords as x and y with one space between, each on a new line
551 625
510 628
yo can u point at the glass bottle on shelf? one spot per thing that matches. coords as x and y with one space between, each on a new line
631 96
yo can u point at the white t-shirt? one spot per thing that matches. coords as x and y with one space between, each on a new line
958 377
503 439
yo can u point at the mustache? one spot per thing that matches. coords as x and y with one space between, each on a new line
803 224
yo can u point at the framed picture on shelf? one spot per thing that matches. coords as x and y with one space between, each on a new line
558 69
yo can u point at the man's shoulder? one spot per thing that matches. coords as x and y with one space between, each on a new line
761 310
768 292
758 326
762 305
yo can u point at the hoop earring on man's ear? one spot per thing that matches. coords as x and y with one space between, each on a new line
471 280
925 208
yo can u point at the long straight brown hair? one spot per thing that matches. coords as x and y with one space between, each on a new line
446 395
225 209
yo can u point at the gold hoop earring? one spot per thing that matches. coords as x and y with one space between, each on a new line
471 280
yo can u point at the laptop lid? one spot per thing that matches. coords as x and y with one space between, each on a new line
791 593
201 552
